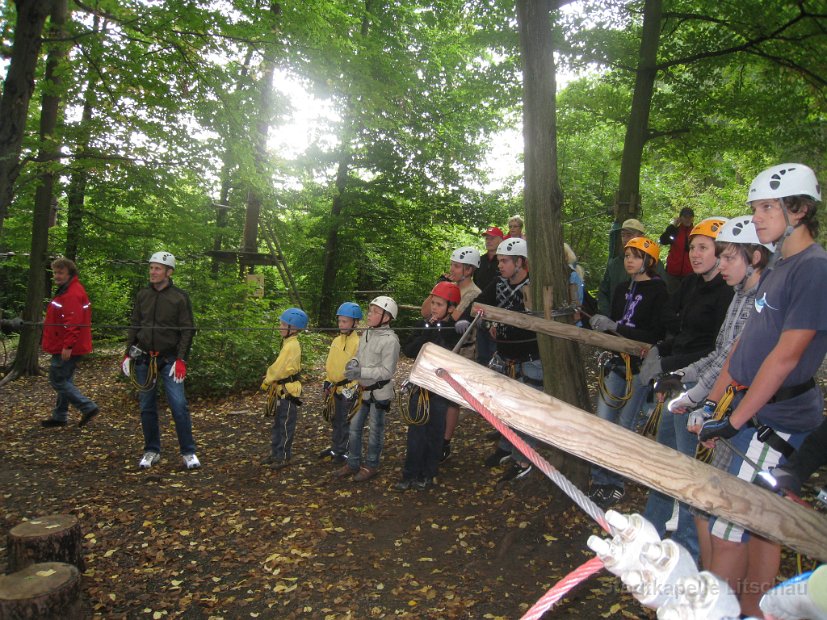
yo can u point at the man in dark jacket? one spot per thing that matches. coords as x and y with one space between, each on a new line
676 236
158 344
67 335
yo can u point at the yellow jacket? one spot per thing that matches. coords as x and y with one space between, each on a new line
288 363
342 350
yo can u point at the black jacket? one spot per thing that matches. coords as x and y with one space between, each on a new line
162 321
639 308
513 343
442 333
698 310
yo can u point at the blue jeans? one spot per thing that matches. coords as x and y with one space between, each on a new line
424 441
61 373
176 400
659 507
486 347
624 415
283 430
374 413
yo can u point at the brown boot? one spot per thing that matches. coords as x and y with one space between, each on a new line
365 473
344 471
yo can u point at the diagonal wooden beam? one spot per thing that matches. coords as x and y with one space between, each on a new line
629 454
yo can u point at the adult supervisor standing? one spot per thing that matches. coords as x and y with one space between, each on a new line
159 340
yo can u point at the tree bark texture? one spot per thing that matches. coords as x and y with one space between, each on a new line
54 538
543 196
25 362
17 91
49 590
637 129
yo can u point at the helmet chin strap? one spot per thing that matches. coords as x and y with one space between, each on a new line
787 232
713 268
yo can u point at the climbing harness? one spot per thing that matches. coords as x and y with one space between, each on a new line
608 362
422 413
152 370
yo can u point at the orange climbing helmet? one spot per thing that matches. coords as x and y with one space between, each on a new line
710 227
448 291
645 245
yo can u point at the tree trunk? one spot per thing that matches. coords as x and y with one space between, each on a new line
17 91
637 129
25 362
76 192
331 265
49 590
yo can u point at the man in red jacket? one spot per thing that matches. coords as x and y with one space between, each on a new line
677 236
67 335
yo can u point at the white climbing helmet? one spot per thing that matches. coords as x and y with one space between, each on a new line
164 258
513 247
387 304
466 255
741 230
784 180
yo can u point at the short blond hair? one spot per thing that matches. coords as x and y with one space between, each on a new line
515 219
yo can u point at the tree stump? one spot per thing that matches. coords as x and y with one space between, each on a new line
55 538
44 590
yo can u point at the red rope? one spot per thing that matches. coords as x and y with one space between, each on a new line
563 587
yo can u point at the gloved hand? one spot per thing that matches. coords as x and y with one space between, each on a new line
352 370
264 386
669 382
690 375
178 371
462 326
602 323
697 417
327 386
651 366
713 429
681 404
125 365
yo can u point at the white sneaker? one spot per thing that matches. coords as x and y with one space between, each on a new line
149 459
191 461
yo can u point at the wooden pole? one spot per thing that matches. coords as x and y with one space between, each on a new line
562 330
629 454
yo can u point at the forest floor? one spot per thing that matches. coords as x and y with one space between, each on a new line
237 540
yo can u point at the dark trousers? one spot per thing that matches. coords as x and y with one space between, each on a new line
425 440
341 425
284 427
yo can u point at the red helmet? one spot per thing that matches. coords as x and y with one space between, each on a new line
448 291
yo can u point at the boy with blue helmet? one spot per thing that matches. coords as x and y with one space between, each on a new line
284 388
340 389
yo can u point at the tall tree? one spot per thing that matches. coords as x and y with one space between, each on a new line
25 362
17 91
543 200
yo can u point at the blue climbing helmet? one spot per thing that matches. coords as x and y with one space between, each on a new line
350 309
294 318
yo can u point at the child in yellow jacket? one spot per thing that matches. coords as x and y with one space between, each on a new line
343 391
284 385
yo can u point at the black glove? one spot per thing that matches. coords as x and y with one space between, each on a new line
717 428
326 387
669 382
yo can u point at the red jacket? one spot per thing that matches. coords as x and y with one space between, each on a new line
677 262
68 321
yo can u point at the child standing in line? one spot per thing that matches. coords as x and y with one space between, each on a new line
284 385
373 367
336 385
425 439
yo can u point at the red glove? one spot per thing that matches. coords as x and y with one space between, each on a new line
178 371
125 365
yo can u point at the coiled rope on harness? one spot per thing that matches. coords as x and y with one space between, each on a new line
423 404
151 374
702 453
650 429
612 400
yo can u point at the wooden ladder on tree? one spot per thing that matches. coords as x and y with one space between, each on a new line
274 246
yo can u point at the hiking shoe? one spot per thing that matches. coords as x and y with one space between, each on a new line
84 419
402 485
610 497
493 436
269 459
339 458
191 461
446 452
499 457
52 423
424 484
365 473
327 453
149 459
516 472
344 471
597 493
279 464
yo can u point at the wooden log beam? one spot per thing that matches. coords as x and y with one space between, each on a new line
562 330
624 452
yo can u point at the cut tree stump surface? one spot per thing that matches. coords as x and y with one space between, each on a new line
43 590
53 538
